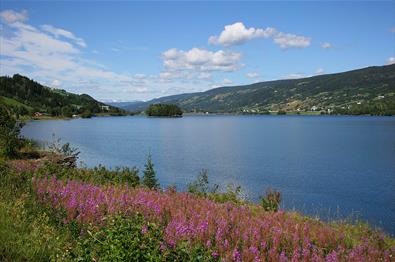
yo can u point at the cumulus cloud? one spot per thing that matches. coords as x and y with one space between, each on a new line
201 60
237 33
391 60
252 75
49 54
11 16
326 45
290 40
58 32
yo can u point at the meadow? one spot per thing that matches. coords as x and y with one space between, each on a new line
50 212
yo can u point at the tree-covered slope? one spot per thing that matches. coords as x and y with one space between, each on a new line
25 97
364 91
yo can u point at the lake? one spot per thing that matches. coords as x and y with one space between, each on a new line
329 166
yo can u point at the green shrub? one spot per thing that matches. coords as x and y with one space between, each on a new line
98 175
9 134
122 239
202 188
271 202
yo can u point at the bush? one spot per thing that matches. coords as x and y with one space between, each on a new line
99 175
9 134
122 239
201 187
271 202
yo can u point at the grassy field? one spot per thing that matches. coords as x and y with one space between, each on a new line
13 102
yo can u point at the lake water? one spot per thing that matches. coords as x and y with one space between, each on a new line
323 165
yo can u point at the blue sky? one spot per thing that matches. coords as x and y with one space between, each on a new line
128 51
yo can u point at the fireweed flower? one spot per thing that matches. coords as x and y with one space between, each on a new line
229 231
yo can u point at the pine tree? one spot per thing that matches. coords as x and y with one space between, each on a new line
149 179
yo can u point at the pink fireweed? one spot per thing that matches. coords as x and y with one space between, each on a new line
231 232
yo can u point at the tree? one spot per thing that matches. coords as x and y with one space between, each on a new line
168 110
9 133
149 178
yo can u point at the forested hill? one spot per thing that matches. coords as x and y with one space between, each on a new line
364 91
27 97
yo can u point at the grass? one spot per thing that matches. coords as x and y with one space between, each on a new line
13 102
97 214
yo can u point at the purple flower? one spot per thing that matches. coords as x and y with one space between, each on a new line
144 230
236 255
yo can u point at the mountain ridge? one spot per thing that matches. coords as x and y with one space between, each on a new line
25 96
351 92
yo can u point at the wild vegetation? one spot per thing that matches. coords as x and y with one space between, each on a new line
167 110
26 97
365 91
52 211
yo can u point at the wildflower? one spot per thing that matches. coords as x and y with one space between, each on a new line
215 254
144 230
236 255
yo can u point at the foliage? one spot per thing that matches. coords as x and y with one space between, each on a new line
201 187
365 91
272 200
30 97
99 175
149 177
64 218
26 231
169 110
122 239
62 149
9 134
230 232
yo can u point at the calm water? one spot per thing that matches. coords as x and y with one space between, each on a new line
326 166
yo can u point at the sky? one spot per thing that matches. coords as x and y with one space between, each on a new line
127 51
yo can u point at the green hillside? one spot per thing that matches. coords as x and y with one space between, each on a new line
365 91
27 97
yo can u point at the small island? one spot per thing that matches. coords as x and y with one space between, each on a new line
164 110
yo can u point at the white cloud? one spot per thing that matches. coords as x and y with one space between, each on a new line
204 76
11 16
290 40
51 57
252 75
227 81
237 33
224 82
391 60
326 45
201 60
58 32
319 71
